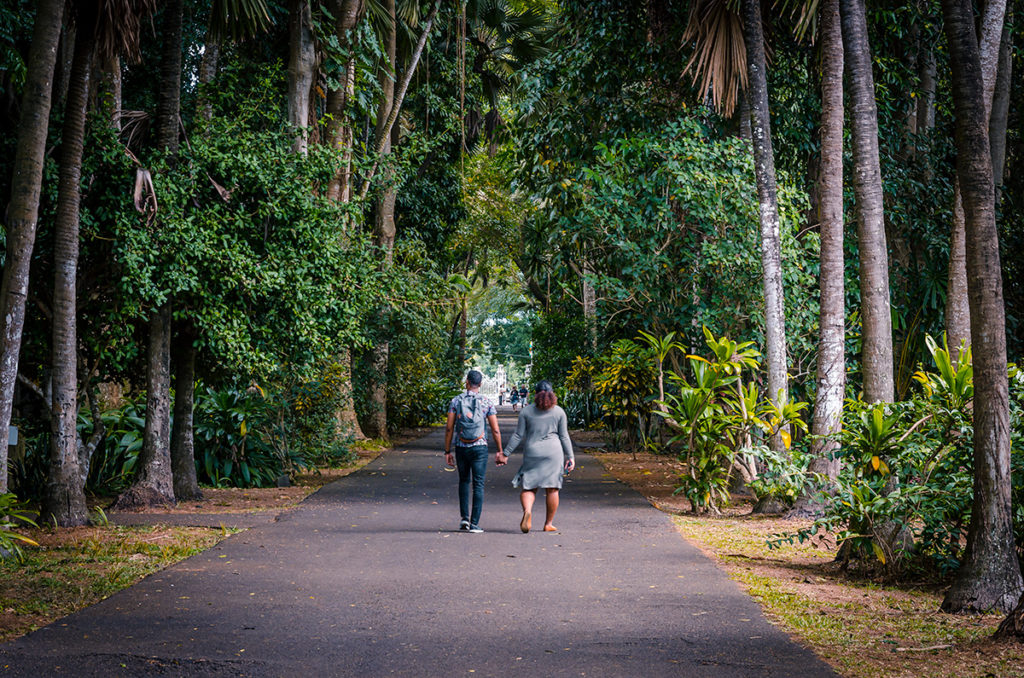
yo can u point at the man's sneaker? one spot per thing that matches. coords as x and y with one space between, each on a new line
464 526
475 529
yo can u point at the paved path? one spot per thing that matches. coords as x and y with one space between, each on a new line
368 577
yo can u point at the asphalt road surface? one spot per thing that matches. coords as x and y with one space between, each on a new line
370 577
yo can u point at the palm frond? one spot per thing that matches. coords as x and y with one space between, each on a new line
806 14
119 26
238 19
719 62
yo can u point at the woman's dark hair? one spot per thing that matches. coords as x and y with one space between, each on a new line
544 396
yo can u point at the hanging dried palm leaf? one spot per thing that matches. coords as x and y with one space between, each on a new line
719 61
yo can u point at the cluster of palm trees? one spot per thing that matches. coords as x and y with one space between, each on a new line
729 59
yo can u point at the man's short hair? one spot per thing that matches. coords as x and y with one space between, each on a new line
474 378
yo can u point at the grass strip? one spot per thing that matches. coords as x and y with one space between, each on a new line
76 567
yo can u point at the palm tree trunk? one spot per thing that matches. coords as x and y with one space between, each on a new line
831 375
23 209
64 499
207 74
301 65
110 91
589 305
876 353
764 169
383 224
340 135
989 576
183 457
958 315
153 483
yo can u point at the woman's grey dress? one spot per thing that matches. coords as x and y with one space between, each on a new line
544 436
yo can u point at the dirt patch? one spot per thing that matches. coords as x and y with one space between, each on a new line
258 499
860 626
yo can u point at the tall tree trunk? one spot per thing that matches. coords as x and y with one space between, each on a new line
64 500
764 169
589 306
207 74
926 104
301 67
926 96
183 455
958 316
110 91
347 422
23 209
831 375
1001 109
876 352
384 223
153 483
340 134
383 130
989 576
66 57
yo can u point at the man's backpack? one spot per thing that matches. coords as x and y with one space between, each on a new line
469 417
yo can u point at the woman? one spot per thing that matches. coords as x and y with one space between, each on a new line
515 398
547 452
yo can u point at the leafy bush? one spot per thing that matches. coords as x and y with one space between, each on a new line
624 384
248 438
715 417
783 474
904 493
419 392
13 515
113 462
577 398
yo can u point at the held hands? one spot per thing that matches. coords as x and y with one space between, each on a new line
500 459
449 458
570 465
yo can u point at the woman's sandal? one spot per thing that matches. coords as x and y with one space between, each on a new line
524 524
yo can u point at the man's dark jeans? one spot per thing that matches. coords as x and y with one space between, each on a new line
472 465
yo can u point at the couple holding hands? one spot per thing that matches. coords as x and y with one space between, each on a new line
542 432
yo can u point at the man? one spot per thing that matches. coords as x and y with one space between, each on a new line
465 445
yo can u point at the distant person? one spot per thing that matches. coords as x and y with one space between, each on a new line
547 454
515 398
465 446
524 395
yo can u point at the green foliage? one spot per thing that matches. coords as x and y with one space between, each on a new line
269 272
581 404
113 462
13 514
783 473
418 391
624 384
250 437
715 416
557 340
904 493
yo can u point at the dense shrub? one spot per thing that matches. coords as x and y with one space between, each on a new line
904 495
